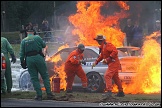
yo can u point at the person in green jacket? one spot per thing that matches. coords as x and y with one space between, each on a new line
7 49
31 48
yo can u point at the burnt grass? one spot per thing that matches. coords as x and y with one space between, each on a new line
86 97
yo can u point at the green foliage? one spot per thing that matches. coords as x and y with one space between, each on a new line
19 13
12 11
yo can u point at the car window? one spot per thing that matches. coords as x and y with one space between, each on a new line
64 55
122 54
129 51
90 55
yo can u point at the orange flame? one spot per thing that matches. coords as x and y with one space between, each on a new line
62 47
154 35
89 22
148 76
56 59
123 5
62 75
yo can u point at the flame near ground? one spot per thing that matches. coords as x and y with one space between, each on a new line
148 78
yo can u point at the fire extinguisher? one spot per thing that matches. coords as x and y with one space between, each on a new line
56 84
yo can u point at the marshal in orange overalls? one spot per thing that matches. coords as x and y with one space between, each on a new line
73 67
109 50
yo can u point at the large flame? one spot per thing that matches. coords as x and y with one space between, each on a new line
148 70
148 78
89 22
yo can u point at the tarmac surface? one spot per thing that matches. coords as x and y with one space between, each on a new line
11 102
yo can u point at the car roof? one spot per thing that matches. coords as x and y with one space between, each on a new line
131 48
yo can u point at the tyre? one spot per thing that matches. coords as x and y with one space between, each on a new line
25 81
95 82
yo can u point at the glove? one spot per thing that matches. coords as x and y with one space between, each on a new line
23 64
83 62
94 64
13 58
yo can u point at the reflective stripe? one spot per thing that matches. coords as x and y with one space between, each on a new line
3 63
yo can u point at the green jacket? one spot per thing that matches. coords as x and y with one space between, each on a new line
31 43
6 47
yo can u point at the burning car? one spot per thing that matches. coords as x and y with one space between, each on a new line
55 64
95 76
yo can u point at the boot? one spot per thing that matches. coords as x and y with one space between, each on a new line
38 98
120 94
107 95
50 96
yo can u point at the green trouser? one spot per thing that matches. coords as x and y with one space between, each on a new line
8 77
3 85
37 64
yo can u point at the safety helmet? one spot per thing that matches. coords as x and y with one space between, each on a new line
81 46
100 37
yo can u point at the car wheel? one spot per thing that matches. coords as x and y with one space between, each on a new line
25 81
95 82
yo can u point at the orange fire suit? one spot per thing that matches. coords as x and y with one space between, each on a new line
109 50
73 67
